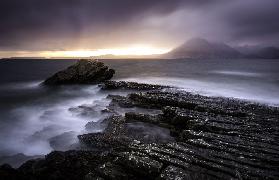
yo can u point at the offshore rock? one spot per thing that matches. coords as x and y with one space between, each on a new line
82 72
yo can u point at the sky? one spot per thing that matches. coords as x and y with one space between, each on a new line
44 27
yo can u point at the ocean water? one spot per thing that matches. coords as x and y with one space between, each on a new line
35 119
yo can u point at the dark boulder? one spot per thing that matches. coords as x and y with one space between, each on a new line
82 72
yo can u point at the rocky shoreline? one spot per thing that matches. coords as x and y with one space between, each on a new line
187 136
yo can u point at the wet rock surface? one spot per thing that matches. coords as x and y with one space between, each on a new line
110 85
82 72
191 137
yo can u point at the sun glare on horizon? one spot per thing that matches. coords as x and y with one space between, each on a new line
140 50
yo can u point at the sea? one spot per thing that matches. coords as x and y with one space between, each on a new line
35 120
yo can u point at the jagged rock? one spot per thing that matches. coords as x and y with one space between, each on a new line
213 134
111 137
121 101
139 117
143 165
181 99
120 132
174 173
83 72
213 138
69 165
109 85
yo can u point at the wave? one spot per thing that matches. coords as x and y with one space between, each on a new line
20 85
238 73
31 126
263 93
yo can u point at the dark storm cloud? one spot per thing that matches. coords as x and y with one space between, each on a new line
254 20
28 20
54 24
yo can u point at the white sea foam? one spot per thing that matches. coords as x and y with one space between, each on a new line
20 85
264 93
238 73
35 123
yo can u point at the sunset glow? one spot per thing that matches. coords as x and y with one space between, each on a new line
131 51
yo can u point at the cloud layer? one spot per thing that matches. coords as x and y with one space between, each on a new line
93 24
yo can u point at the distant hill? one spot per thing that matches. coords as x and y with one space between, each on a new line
201 48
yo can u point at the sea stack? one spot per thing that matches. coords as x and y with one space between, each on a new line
82 72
